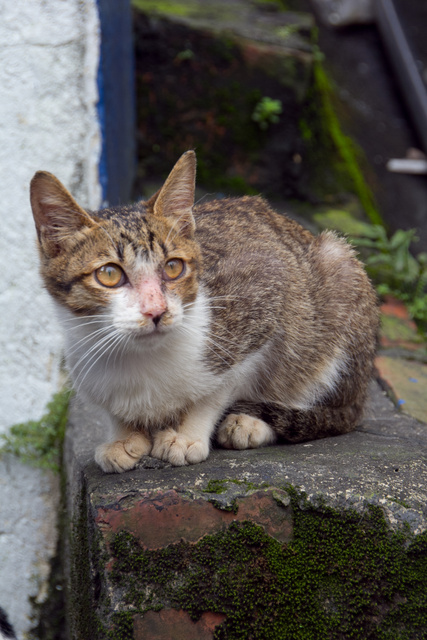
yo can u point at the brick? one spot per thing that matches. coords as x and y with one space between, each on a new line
169 623
166 517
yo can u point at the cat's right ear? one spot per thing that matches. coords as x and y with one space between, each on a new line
175 199
57 215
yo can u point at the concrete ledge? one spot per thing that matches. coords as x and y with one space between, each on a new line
146 544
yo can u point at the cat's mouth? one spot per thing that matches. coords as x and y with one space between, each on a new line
154 330
145 329
149 333
160 324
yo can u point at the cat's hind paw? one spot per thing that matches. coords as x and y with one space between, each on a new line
240 431
122 455
171 446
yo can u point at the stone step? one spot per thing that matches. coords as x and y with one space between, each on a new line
327 536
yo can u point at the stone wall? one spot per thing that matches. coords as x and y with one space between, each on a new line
49 55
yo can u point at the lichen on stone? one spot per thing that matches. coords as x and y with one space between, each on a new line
342 576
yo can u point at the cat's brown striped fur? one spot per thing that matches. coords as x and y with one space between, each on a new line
268 333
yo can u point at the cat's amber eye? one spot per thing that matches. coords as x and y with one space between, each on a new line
110 275
173 269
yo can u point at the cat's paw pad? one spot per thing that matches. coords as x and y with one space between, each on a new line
122 455
179 450
240 431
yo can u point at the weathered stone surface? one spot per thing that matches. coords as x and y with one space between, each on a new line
160 509
402 361
384 458
408 381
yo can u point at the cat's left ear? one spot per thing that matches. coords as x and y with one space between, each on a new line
57 215
175 199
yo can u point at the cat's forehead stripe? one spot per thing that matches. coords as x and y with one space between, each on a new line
132 218
120 251
131 242
136 230
151 239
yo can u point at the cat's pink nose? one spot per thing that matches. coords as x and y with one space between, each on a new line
152 302
155 318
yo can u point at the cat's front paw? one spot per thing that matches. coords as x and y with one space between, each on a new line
240 431
122 455
178 449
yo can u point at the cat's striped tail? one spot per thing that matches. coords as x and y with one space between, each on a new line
295 425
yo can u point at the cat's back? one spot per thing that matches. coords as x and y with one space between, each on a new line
246 229
280 272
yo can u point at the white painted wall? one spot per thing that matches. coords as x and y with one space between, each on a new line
49 55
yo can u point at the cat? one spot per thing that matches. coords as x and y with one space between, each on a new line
188 321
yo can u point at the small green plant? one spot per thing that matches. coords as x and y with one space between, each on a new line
267 112
39 443
186 54
394 269
288 31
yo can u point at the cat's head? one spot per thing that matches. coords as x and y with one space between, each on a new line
137 265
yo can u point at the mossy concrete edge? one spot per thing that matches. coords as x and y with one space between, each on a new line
376 474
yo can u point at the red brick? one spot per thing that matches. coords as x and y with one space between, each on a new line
169 623
164 518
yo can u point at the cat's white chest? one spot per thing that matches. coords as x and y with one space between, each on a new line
141 382
158 384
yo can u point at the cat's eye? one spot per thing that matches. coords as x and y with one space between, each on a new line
173 269
110 275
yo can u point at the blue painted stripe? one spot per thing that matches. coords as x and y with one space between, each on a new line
116 109
102 167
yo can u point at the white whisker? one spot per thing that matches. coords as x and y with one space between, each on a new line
78 319
114 348
224 328
110 342
226 297
219 346
174 225
98 345
233 342
217 354
123 350
77 345
191 332
85 324
107 234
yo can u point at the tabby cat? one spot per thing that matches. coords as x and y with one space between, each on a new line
192 321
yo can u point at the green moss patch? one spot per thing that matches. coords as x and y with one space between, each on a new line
39 442
342 220
166 6
334 160
216 486
398 330
343 576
